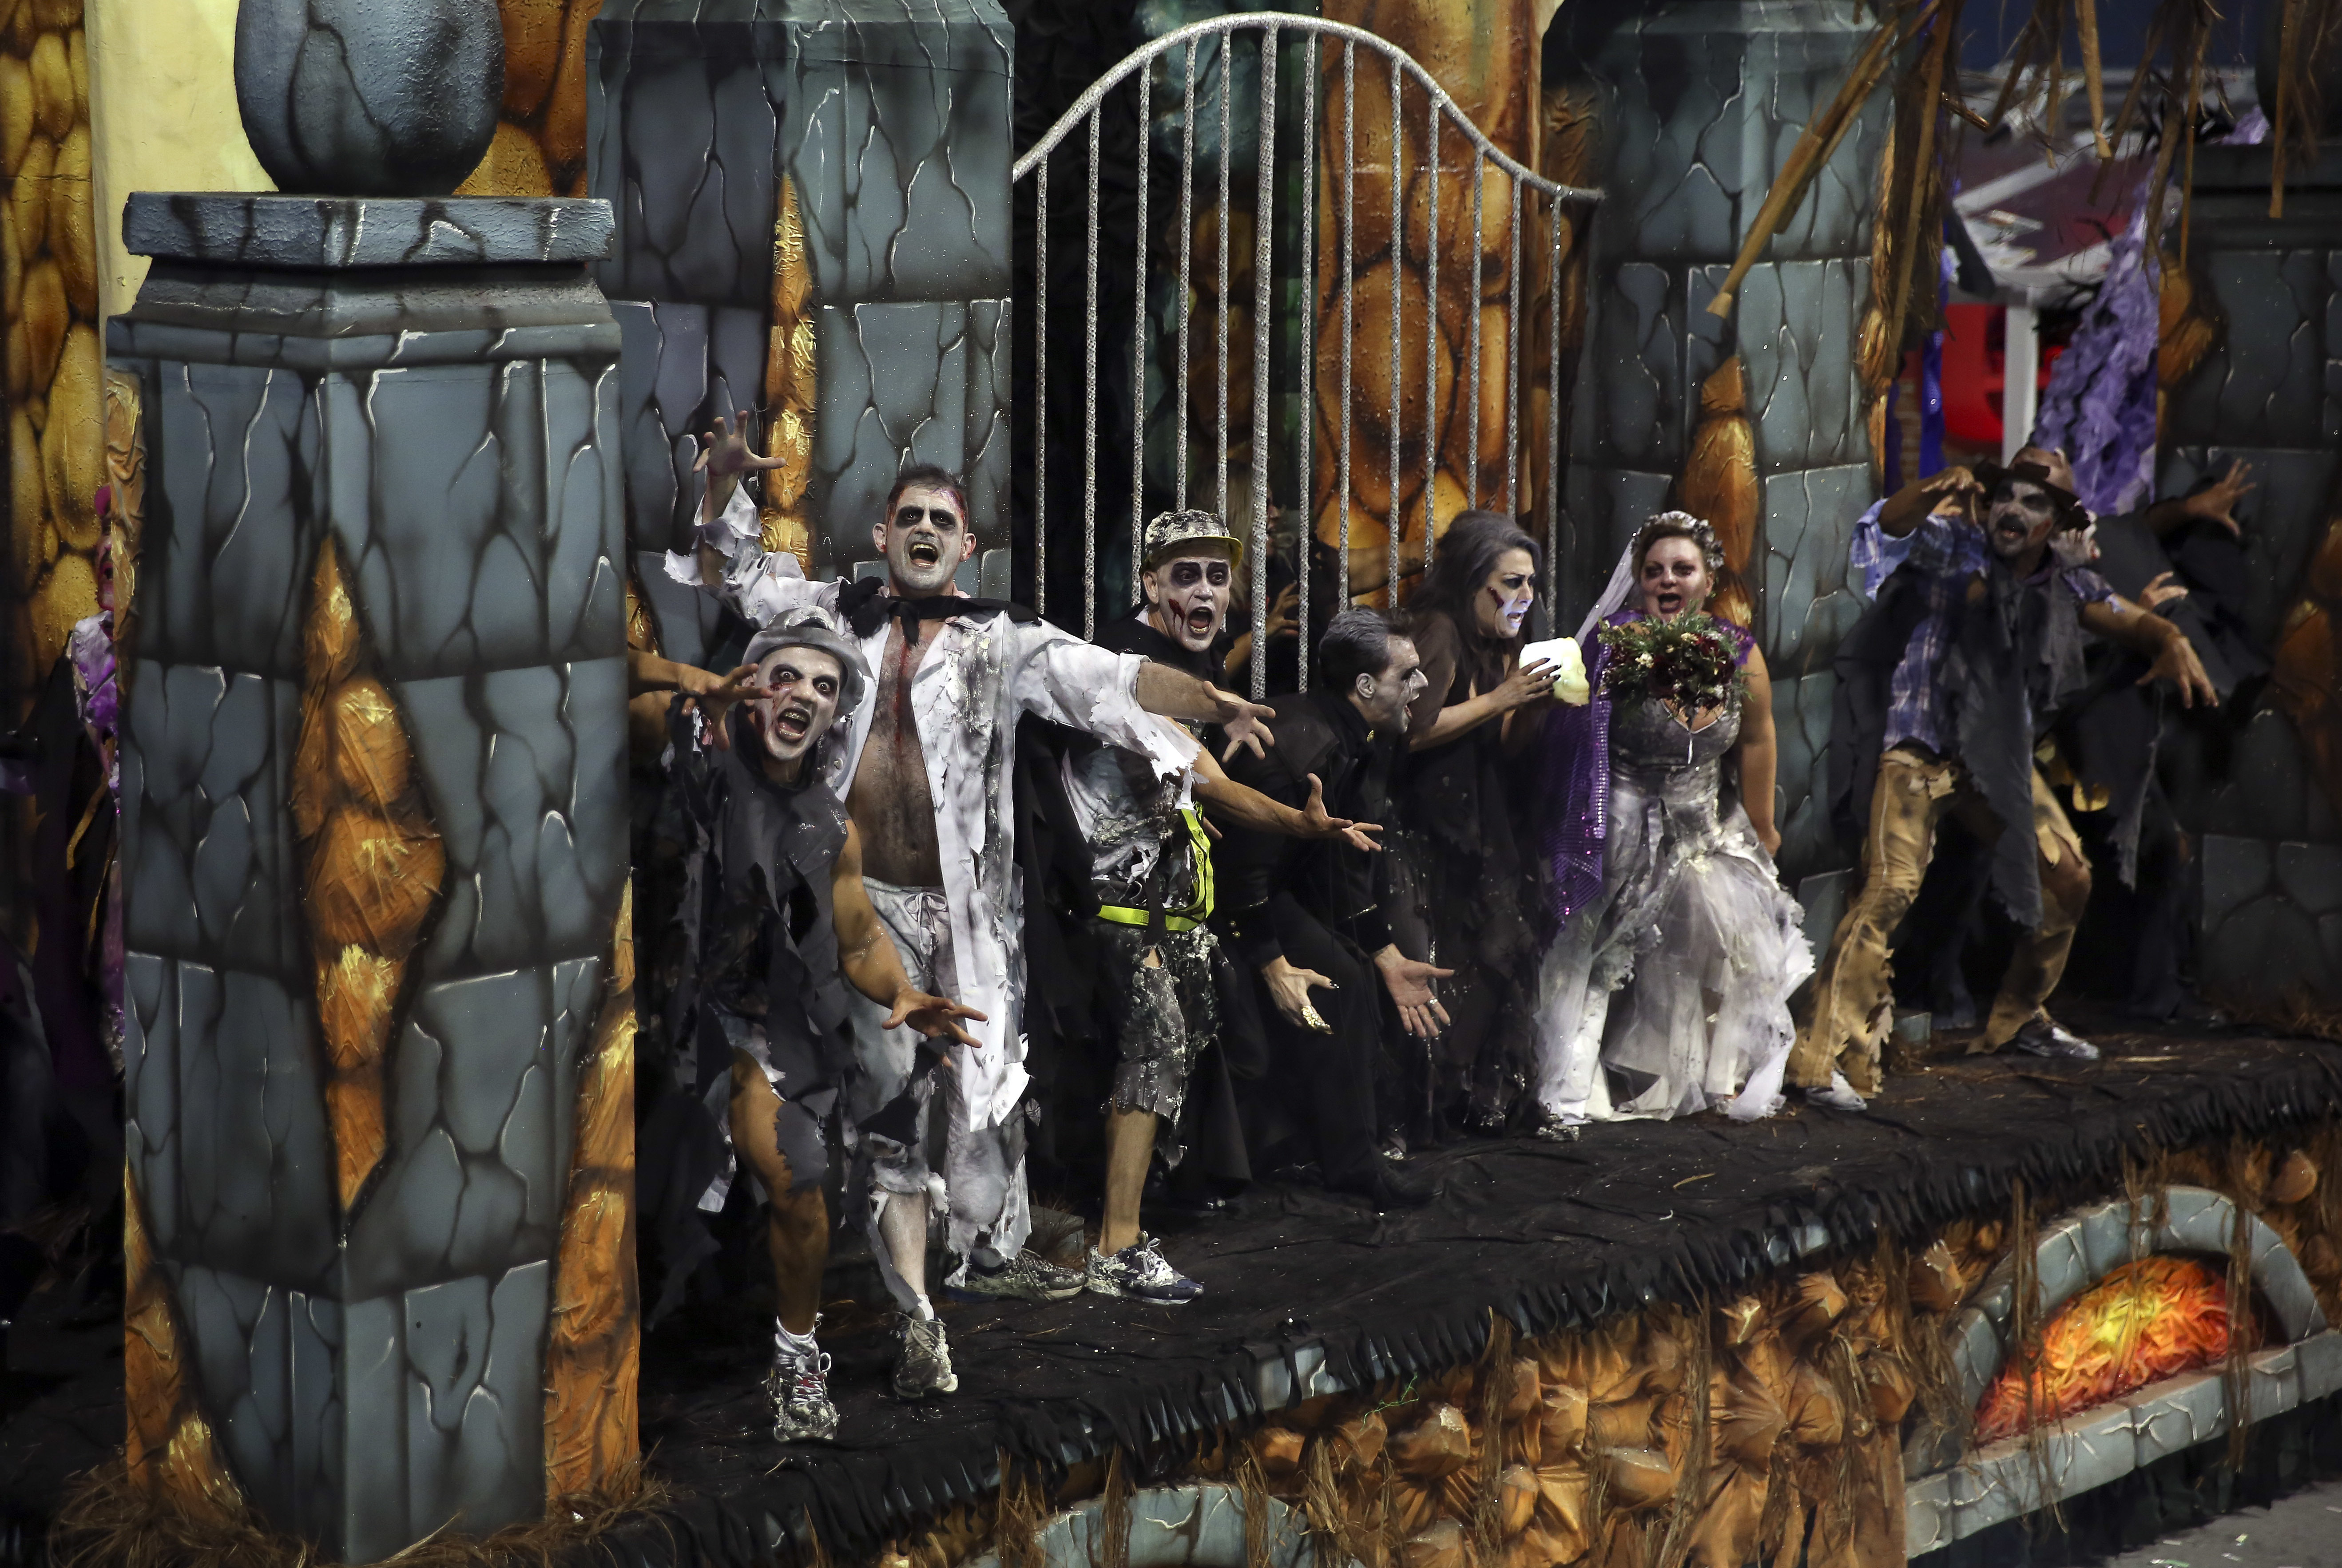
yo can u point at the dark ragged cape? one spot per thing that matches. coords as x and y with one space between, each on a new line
2014 660
757 940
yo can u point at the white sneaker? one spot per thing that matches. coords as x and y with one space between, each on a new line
1838 1096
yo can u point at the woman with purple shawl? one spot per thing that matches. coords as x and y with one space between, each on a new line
1678 947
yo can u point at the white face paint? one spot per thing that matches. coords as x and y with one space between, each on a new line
800 703
923 540
1384 699
1506 594
1188 596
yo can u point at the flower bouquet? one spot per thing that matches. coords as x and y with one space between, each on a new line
1689 663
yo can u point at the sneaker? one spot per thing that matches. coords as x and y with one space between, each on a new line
1026 1277
924 1366
799 1385
2040 1037
1555 1128
1138 1273
1838 1096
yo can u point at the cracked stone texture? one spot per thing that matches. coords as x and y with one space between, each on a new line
2268 391
373 1377
280 231
365 97
894 125
1701 102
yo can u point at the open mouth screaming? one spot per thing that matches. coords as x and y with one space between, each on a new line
792 724
1203 620
1670 601
924 551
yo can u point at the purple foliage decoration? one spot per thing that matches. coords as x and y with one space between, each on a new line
2100 402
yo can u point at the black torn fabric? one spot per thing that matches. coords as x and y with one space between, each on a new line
2014 663
1552 1236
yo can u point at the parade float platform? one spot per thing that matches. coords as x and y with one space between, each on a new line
1816 1254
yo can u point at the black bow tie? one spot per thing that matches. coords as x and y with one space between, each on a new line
866 606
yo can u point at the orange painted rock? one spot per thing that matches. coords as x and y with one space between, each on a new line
2295 1179
1936 1284
1638 1477
1442 1546
1278 1449
1439 1445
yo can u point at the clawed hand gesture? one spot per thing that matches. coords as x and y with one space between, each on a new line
2179 665
722 456
724 452
713 695
1245 724
2218 502
1322 826
932 1016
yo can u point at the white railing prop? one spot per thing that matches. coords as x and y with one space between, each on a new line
1310 34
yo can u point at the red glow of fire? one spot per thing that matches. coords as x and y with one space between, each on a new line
2144 1321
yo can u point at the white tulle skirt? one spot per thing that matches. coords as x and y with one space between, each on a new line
1678 976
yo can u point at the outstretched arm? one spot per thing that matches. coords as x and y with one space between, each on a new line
2215 503
866 954
1248 807
1175 694
1916 502
2154 638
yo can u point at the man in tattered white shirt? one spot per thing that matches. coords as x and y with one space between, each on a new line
926 774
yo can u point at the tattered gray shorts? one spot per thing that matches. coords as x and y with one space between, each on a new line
1161 1014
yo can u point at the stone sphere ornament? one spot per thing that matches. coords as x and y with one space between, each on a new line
369 97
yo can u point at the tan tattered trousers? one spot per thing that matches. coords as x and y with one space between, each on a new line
1852 1005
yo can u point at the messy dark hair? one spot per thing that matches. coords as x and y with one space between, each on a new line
930 476
1466 552
1356 642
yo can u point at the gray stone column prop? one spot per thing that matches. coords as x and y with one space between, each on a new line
893 122
1701 101
432 386
2270 392
368 97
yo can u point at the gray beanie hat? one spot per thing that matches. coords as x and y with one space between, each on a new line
814 627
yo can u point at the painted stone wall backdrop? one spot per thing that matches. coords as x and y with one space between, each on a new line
891 128
1758 417
54 367
374 858
2269 391
1486 57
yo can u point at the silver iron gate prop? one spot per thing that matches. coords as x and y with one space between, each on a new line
1312 32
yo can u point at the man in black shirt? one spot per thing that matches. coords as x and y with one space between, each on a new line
1307 917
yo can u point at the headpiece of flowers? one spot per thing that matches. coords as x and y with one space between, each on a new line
1675 523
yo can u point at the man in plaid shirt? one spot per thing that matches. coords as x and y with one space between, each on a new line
1944 686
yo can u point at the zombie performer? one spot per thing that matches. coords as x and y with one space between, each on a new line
1161 972
1944 687
1461 886
777 911
1678 948
925 771
1307 918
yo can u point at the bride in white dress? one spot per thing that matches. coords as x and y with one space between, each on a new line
1678 948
